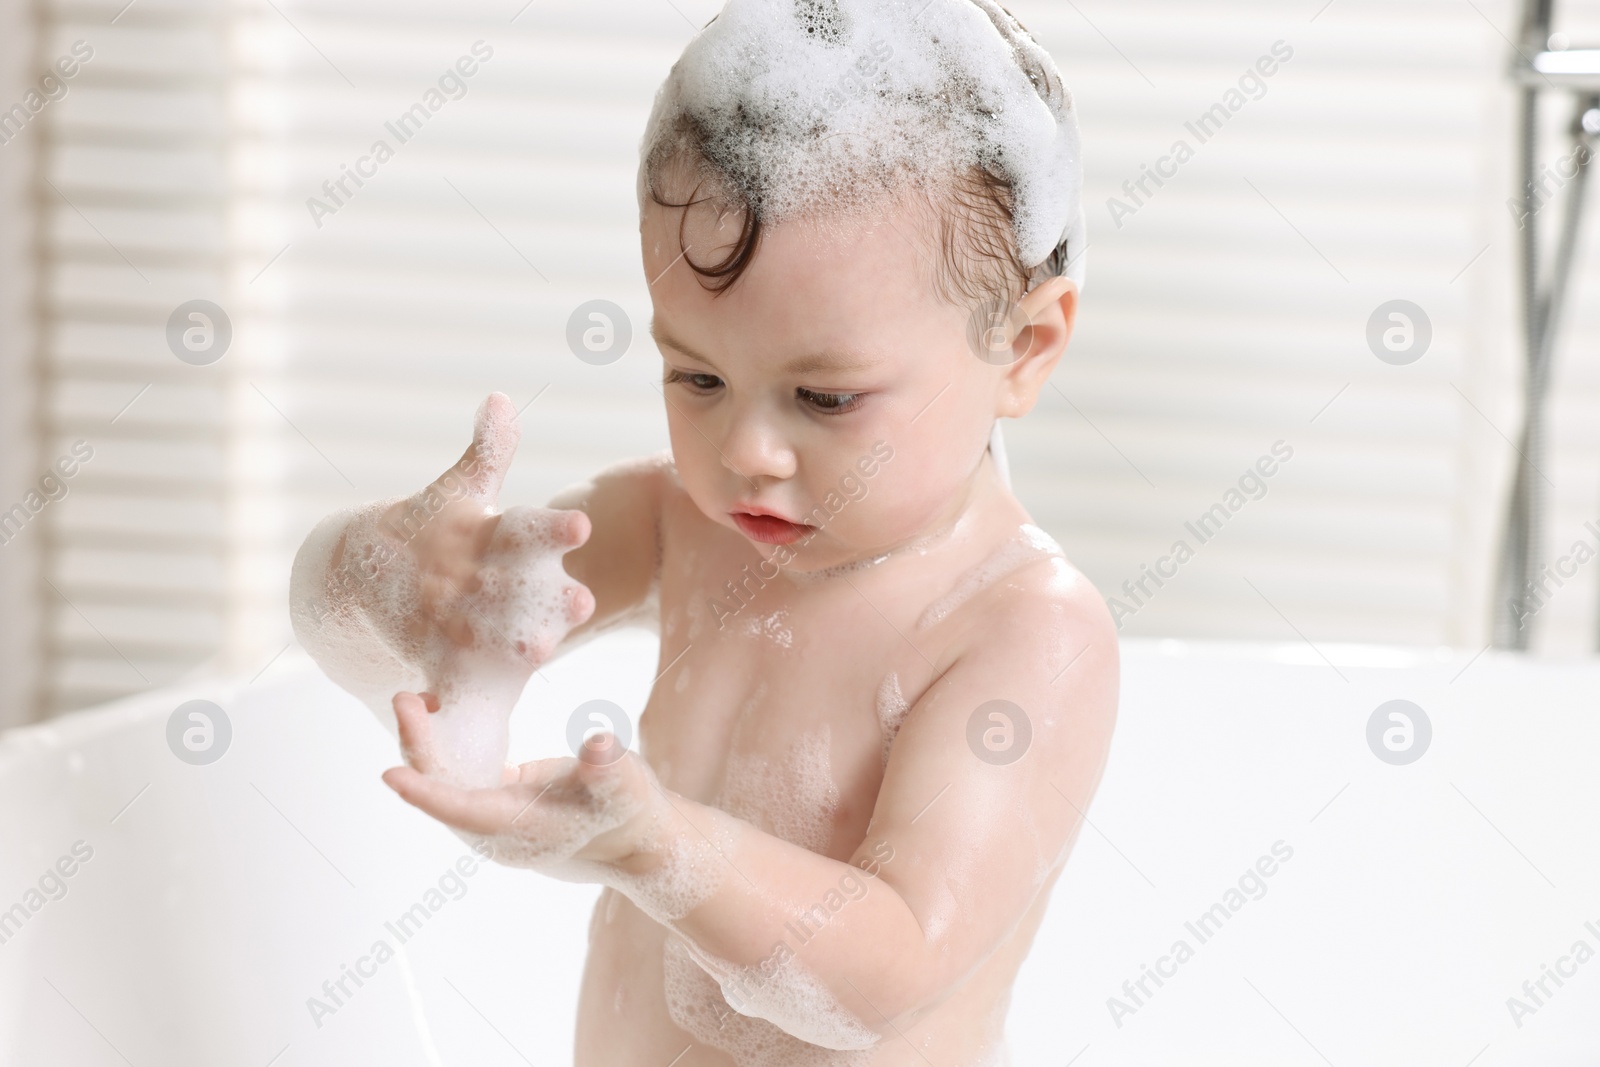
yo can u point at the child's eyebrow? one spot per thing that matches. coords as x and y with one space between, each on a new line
825 361
664 339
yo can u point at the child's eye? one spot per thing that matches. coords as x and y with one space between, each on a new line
830 403
700 383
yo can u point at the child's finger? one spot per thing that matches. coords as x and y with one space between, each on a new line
537 777
482 468
599 750
604 766
573 528
524 526
479 811
416 731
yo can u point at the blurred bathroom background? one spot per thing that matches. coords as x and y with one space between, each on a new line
1226 309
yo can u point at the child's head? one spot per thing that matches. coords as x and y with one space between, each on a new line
839 199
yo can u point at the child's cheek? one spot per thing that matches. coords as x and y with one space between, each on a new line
887 517
697 465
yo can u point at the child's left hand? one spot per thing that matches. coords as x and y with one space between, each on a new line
597 807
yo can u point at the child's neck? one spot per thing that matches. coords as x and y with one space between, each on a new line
980 498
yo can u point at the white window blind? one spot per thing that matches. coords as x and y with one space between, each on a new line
1228 313
19 580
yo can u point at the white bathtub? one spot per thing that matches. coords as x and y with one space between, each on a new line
1417 900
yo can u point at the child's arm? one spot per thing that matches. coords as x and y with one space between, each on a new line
619 563
960 845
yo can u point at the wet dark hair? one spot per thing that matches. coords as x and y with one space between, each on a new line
966 220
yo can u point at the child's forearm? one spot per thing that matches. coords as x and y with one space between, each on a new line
776 920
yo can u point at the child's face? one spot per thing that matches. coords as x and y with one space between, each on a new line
830 387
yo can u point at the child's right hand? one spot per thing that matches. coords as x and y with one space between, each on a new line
482 584
443 594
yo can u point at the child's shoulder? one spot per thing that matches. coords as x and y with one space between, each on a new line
650 483
1027 604
656 467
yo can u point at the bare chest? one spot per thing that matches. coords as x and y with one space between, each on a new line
777 701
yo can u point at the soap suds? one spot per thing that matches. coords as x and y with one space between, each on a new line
771 627
1033 544
822 574
691 868
794 800
697 1002
356 595
547 833
892 711
801 103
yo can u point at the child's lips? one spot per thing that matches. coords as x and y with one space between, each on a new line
769 529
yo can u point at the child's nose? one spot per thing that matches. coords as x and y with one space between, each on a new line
754 448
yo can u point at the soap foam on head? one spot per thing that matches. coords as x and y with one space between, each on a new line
808 104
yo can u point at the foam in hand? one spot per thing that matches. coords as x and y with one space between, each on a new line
368 613
828 103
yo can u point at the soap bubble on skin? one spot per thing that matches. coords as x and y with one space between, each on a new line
789 996
892 711
696 1003
771 627
674 868
358 601
687 870
794 800
568 813
801 104
519 613
1029 545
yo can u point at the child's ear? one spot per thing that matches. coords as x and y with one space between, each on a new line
1050 310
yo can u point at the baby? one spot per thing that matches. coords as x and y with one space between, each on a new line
885 697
